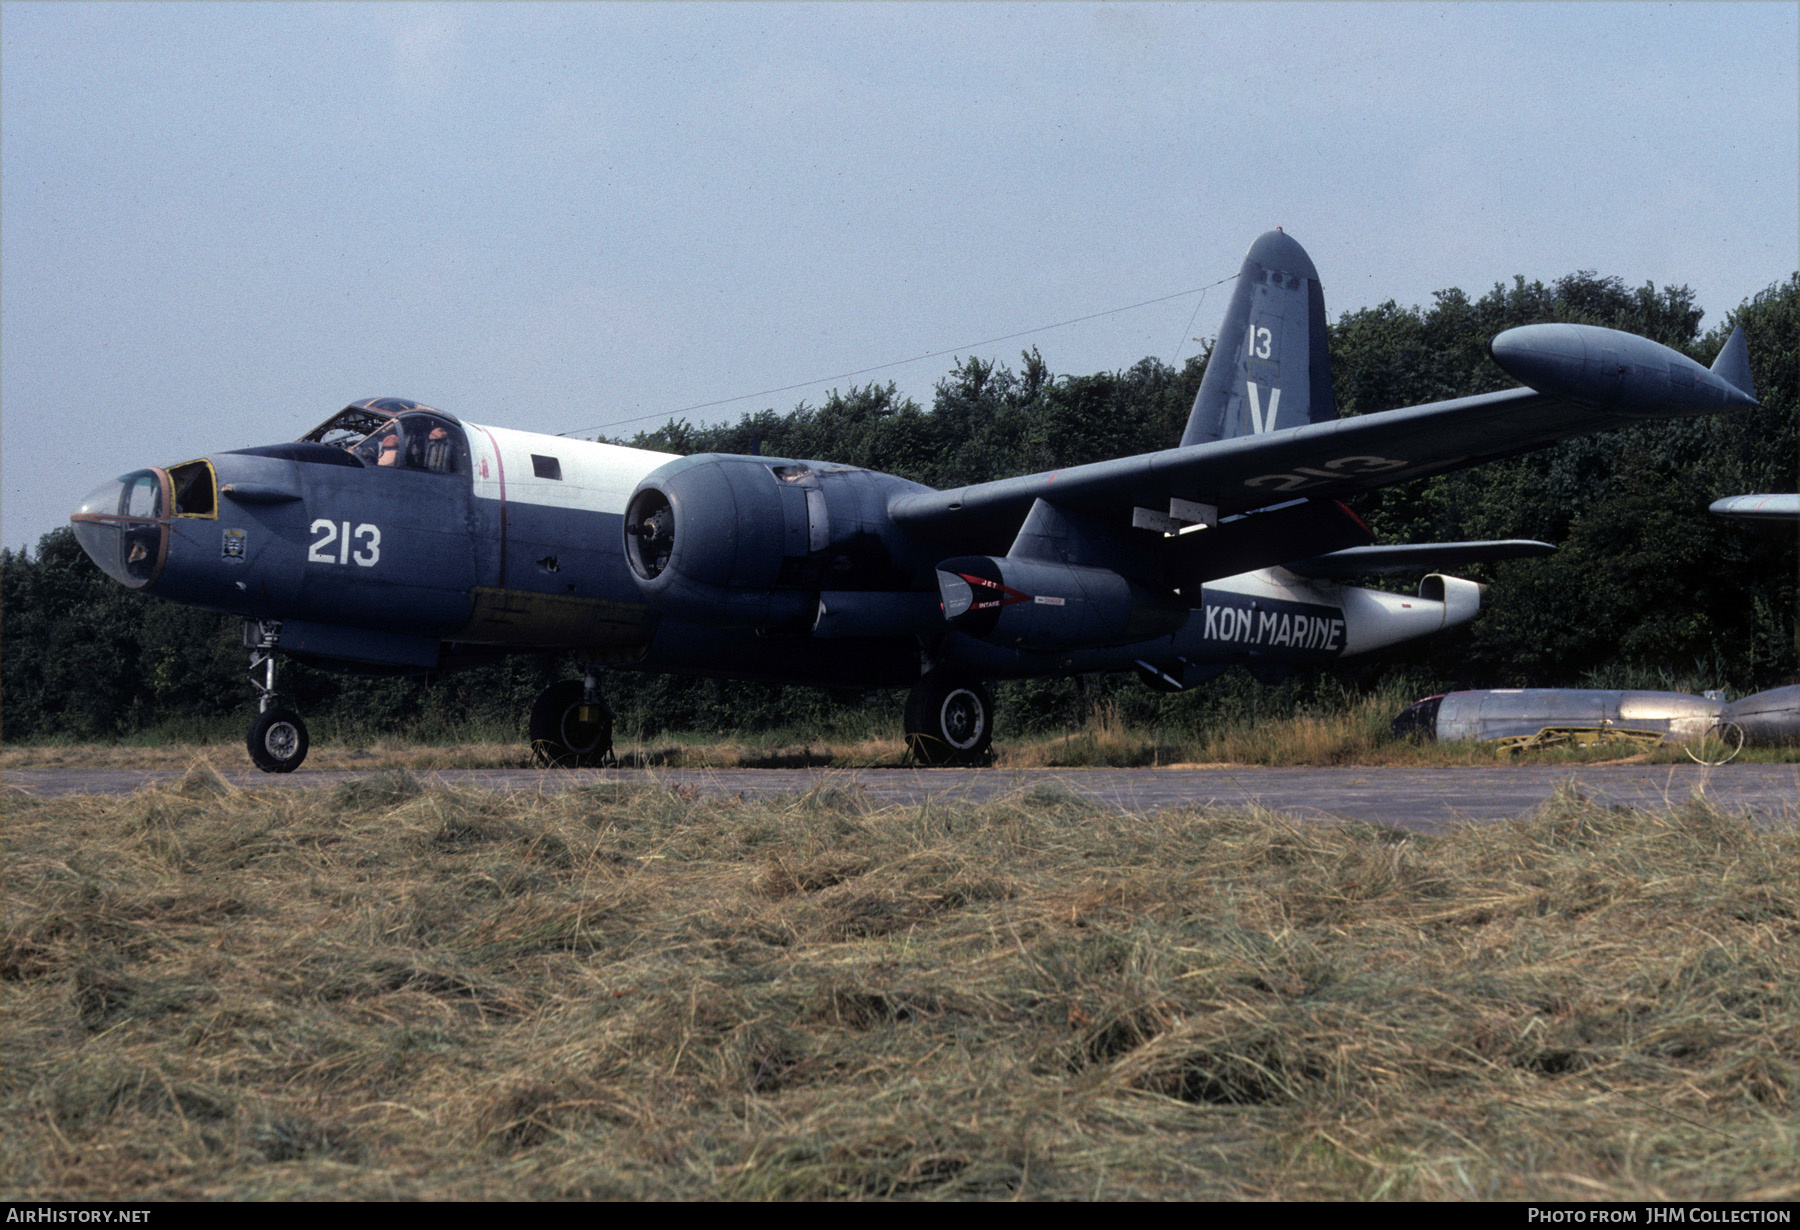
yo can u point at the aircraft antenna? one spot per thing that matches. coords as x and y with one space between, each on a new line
936 354
1183 340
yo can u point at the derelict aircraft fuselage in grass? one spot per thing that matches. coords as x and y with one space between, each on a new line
397 536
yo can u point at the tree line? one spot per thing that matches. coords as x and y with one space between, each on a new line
1646 590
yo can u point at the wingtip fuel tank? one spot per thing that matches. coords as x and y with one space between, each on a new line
1613 370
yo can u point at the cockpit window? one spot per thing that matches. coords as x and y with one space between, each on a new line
195 489
143 496
417 441
355 421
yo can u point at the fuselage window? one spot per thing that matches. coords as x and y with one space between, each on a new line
546 467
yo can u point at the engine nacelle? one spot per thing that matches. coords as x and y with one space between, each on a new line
750 542
1374 619
1461 599
1040 604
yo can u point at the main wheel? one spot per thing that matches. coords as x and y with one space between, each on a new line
277 741
566 733
949 721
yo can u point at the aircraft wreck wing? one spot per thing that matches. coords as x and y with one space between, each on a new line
1364 561
1758 507
1581 379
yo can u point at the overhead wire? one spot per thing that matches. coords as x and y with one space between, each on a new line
936 354
1183 339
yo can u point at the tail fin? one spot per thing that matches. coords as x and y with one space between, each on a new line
1269 367
1733 364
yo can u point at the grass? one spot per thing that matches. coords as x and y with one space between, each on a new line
385 989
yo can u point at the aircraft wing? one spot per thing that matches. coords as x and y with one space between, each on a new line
1758 507
1582 379
1362 561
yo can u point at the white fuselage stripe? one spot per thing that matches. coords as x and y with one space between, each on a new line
595 477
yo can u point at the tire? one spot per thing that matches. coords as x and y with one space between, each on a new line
277 741
561 737
950 721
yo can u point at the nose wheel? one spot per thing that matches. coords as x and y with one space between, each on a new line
950 721
277 740
570 726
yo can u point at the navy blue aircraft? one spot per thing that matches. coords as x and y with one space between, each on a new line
395 536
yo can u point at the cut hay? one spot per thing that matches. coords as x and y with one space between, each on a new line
392 989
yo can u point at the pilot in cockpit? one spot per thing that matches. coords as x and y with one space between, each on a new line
382 446
415 443
438 457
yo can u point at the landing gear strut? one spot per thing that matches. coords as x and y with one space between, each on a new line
571 727
949 721
277 740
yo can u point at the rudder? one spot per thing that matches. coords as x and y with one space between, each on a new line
1270 367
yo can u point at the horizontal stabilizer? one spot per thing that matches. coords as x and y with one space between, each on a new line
1419 556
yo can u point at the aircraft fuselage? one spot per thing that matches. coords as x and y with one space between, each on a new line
516 542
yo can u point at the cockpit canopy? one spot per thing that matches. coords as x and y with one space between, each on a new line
394 432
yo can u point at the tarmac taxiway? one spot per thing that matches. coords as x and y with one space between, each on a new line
1418 799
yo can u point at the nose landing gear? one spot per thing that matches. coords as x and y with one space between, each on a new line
570 726
277 740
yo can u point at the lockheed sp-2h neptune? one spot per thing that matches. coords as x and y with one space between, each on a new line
395 536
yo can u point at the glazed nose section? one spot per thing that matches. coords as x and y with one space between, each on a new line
123 526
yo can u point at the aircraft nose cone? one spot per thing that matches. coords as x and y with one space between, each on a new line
122 527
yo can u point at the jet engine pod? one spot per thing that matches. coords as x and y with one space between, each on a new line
1040 604
1374 618
706 538
1461 599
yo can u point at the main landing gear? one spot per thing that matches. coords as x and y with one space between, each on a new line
277 739
571 727
950 720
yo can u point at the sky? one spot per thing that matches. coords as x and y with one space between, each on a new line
220 223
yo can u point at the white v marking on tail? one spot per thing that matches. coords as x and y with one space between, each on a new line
1257 425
